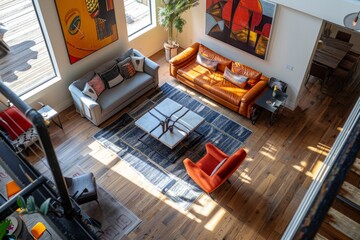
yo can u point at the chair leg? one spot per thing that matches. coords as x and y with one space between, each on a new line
228 181
210 195
49 233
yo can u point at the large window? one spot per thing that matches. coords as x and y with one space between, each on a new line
28 64
138 15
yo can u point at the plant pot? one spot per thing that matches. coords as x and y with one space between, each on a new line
170 51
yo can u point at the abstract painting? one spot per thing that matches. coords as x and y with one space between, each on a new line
245 24
87 26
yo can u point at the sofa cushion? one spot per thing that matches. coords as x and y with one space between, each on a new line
14 122
206 62
111 98
223 61
228 91
245 70
237 79
193 71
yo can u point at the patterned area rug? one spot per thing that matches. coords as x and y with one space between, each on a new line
155 162
116 220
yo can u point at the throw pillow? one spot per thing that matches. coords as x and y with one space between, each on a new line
111 73
97 84
14 122
223 61
138 63
127 68
245 70
128 53
115 81
218 166
206 62
89 91
237 79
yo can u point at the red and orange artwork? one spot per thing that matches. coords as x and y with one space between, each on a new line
87 26
245 24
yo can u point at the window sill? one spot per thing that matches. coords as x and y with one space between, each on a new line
141 32
36 91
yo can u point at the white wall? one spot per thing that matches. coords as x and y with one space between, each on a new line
57 94
293 38
331 10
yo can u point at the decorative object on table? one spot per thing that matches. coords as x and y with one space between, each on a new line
87 27
29 206
170 18
216 167
352 21
171 179
243 24
281 86
5 233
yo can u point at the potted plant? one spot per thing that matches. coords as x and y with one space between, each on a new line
170 18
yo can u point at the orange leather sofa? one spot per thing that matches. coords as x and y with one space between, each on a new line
212 83
203 172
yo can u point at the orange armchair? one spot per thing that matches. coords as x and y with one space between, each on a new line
203 172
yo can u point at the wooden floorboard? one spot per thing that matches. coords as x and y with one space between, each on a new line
264 193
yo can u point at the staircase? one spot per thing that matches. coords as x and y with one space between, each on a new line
343 218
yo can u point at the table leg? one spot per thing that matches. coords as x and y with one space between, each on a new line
58 123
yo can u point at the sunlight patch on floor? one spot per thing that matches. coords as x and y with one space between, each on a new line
101 154
215 220
269 151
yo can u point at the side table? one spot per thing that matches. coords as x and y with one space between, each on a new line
267 102
48 113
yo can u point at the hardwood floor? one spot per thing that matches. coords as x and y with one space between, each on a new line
264 193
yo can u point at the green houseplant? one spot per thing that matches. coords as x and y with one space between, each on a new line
170 18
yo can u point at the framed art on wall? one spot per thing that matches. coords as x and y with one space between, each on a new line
245 24
87 26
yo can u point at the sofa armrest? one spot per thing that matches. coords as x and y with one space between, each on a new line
77 94
150 67
254 92
91 110
183 58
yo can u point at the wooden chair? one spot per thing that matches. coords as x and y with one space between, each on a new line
343 36
38 230
216 167
319 71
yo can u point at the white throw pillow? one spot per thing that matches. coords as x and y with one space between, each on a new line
218 166
138 63
89 91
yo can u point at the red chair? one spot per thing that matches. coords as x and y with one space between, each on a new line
211 171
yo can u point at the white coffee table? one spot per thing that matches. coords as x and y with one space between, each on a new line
169 122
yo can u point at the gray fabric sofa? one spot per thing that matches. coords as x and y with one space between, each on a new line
114 99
